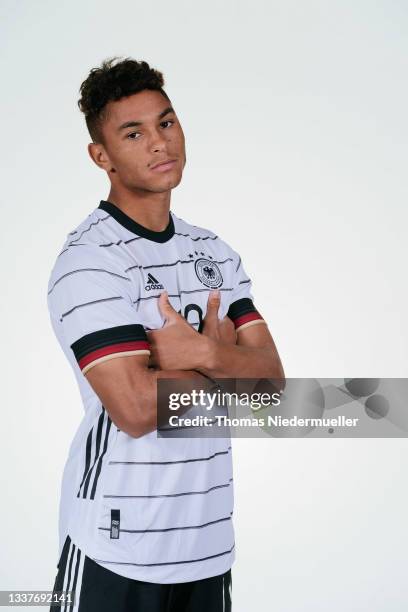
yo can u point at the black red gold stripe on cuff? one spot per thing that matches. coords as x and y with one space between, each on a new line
243 313
108 343
247 320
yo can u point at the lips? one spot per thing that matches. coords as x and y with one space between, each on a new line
164 165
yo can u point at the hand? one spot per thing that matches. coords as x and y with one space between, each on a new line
177 345
220 330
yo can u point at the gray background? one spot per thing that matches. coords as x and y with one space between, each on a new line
295 122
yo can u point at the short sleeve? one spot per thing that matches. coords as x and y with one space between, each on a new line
242 310
90 302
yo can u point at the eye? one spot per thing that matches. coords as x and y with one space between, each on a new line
167 121
133 135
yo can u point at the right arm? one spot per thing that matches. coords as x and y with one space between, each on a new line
91 304
127 388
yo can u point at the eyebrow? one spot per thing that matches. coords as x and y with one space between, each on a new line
129 124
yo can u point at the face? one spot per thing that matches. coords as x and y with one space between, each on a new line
138 132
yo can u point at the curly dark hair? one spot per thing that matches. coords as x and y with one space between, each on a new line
115 79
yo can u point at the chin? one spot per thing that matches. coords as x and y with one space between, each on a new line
169 182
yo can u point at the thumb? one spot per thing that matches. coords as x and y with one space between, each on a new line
166 308
213 304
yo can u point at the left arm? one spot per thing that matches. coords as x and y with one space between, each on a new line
254 356
240 345
178 345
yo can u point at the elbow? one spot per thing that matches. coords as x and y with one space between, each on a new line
138 429
136 433
280 377
282 382
136 421
275 369
140 425
277 380
143 418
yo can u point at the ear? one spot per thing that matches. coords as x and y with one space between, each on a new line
99 156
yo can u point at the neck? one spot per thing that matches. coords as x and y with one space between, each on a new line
147 208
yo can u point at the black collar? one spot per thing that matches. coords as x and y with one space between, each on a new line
135 227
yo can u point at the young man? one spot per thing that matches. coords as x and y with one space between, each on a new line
137 294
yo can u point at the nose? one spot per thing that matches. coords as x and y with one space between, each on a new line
158 141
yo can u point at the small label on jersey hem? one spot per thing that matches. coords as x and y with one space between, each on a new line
115 524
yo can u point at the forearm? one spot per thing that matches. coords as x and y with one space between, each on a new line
220 360
190 380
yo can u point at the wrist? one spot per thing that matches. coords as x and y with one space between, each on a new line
207 355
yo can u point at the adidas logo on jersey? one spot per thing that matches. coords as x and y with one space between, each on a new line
153 283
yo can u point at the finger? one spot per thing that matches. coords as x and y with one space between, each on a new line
227 330
166 308
227 322
213 304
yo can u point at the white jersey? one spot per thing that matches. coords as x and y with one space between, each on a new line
149 508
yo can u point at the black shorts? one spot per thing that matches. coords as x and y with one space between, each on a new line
98 589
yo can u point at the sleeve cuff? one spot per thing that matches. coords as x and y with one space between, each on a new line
108 343
244 314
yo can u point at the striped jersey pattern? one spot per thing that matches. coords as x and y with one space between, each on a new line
148 508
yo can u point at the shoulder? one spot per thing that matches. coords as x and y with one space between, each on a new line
185 228
93 229
197 232
86 249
